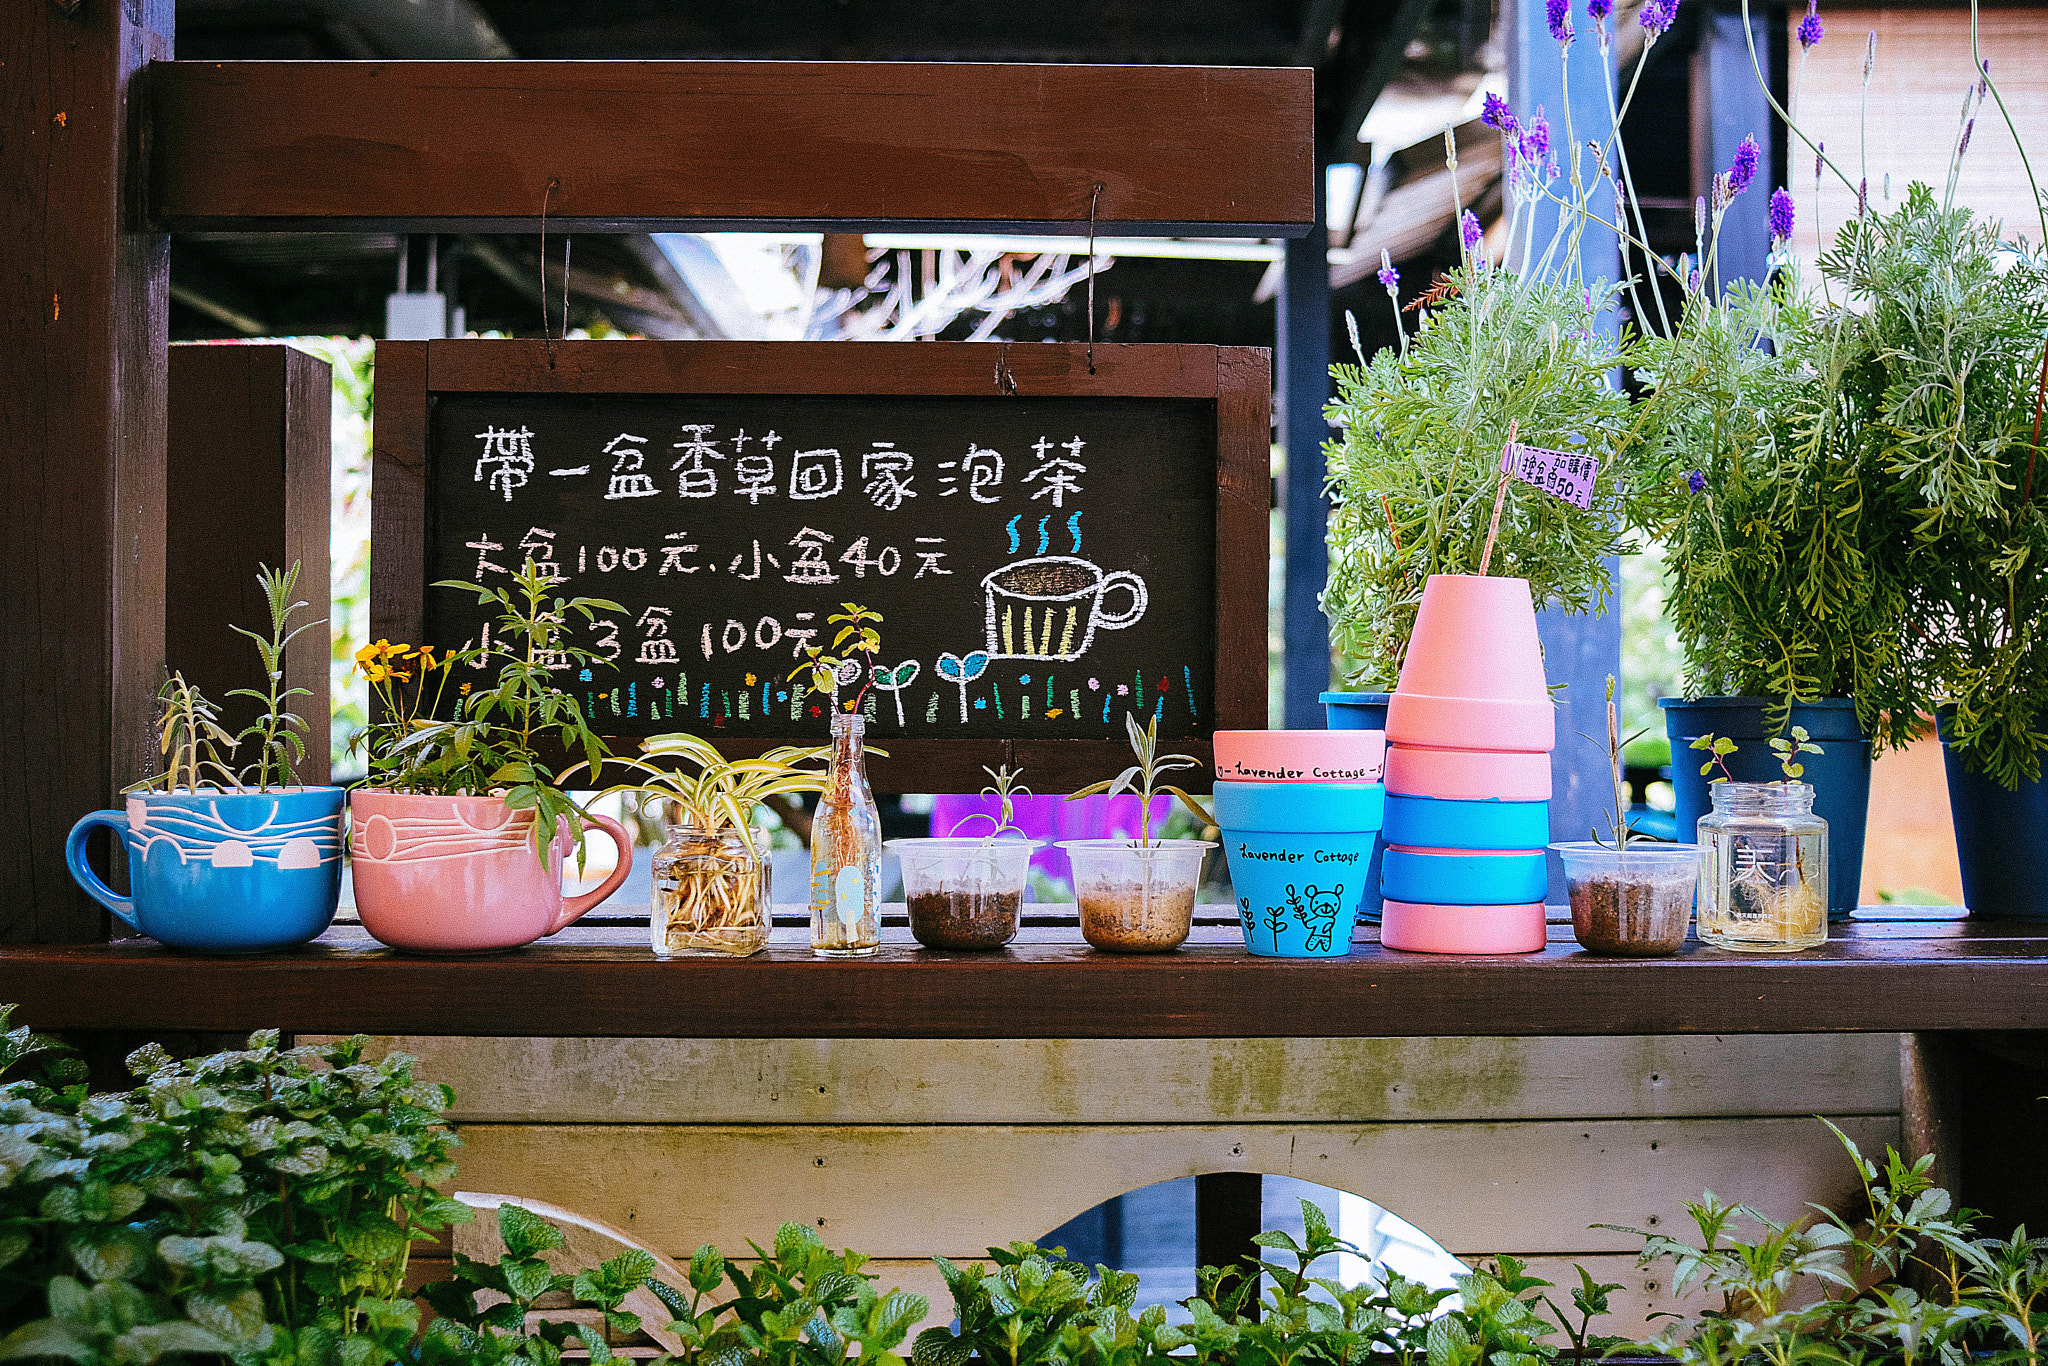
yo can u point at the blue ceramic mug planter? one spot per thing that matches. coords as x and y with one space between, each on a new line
1436 877
1300 859
223 872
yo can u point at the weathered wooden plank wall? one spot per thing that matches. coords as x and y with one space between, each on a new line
906 1148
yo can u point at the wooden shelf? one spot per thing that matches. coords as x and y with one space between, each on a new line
601 981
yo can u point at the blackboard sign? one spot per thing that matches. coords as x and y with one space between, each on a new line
1050 550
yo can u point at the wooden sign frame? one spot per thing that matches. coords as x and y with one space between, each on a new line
1237 380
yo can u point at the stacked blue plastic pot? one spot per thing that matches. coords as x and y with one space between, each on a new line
1300 813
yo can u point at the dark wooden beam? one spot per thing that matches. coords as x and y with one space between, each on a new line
638 146
250 467
83 332
600 981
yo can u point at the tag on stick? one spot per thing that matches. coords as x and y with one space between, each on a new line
1558 473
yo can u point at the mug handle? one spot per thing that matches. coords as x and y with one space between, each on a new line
576 907
81 871
1129 582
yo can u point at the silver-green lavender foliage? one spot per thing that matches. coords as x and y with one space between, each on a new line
1414 476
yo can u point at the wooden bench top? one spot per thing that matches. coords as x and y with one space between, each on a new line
599 980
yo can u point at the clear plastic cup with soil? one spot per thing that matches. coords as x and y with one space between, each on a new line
964 893
1632 902
1137 897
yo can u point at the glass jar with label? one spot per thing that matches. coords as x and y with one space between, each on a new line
846 851
1764 888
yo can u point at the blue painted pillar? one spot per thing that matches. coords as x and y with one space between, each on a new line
1735 108
1304 381
1578 652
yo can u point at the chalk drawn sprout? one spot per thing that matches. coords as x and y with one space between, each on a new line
894 681
961 671
1050 607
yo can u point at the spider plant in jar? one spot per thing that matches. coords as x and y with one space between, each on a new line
1138 896
712 891
1765 888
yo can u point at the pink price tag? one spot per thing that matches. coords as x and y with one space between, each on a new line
1557 473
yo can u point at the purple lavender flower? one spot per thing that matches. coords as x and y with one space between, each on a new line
1810 28
1742 171
1469 230
1782 214
1658 16
1390 279
1599 10
1535 142
1559 15
1496 114
1695 481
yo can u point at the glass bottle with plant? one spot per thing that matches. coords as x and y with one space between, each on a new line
1764 887
1630 896
712 890
1138 896
964 891
846 832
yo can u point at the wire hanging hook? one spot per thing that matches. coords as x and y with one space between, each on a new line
554 183
1093 196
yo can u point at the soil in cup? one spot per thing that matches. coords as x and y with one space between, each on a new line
1130 918
1632 918
961 919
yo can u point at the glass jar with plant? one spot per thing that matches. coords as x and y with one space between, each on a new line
712 889
1630 896
846 832
967 892
456 832
1764 888
1138 896
221 858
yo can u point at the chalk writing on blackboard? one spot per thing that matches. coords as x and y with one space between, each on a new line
1042 566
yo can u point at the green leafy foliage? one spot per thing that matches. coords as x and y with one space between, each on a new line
257 1205
492 743
1416 471
1141 779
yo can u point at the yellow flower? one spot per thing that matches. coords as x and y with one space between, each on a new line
426 656
366 654
464 690
375 672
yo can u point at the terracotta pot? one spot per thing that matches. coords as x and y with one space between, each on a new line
1461 929
1468 774
1300 756
1473 675
459 874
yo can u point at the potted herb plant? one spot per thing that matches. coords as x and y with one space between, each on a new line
712 889
227 859
1630 897
1138 896
458 831
967 892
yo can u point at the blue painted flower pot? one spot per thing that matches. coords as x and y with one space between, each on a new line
1434 879
1840 773
1360 711
216 872
1991 824
1300 859
1443 823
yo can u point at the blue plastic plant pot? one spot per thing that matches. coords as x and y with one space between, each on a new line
1840 773
1992 827
1433 879
1337 808
1441 823
1298 892
1360 711
218 872
1354 710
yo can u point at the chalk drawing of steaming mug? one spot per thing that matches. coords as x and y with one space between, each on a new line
1051 607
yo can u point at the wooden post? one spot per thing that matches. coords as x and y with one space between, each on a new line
1305 388
83 333
249 464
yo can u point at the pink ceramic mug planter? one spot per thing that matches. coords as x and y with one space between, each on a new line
1462 929
1300 756
459 874
1469 775
1473 675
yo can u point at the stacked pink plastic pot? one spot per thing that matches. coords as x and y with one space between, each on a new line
1469 733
